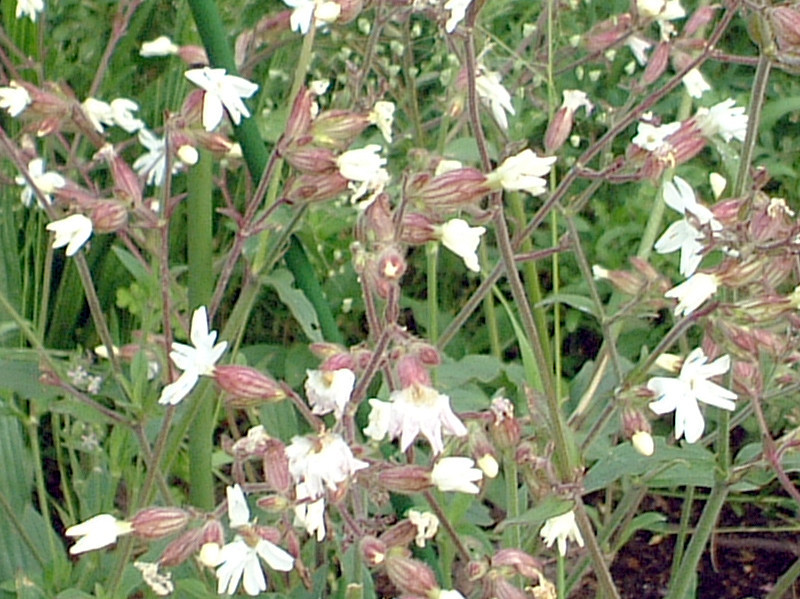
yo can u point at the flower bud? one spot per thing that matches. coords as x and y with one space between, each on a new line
410 576
657 64
477 569
108 216
522 563
399 535
559 129
308 187
643 443
194 56
337 129
785 22
247 386
372 550
299 120
488 465
607 33
157 522
449 191
391 265
126 181
699 19
411 371
405 479
179 550
350 9
273 503
498 587
311 159
276 466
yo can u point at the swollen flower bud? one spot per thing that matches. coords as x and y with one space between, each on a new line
108 216
405 479
373 551
247 386
158 522
657 64
410 576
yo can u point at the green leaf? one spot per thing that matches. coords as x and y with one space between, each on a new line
283 282
547 508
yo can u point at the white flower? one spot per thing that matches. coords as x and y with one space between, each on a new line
329 390
29 8
14 99
724 119
322 11
238 562
561 528
643 443
662 10
456 474
322 462
309 514
72 231
449 594
194 360
458 9
382 116
380 417
494 96
683 234
223 91
364 168
161 584
153 164
718 184
695 83
427 525
692 385
46 182
421 410
97 532
161 46
693 292
639 47
523 171
122 110
98 113
654 138
463 240
574 99
238 511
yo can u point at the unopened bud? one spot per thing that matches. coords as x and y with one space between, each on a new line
391 265
373 551
209 555
309 187
522 563
273 503
108 216
194 56
643 443
657 64
559 129
276 466
411 371
179 550
337 129
311 159
405 479
247 386
399 535
488 465
452 190
477 569
410 576
699 19
785 21
157 522
188 154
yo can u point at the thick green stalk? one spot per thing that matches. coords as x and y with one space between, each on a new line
432 258
199 243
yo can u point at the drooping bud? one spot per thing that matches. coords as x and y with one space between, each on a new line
409 575
399 535
559 129
179 550
521 562
405 479
372 550
657 64
276 466
449 191
338 129
411 371
158 522
308 187
108 216
247 386
608 33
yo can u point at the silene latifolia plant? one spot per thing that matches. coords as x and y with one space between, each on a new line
392 298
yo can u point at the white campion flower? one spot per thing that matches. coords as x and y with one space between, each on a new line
72 231
223 92
161 46
695 83
427 525
415 410
718 184
45 181
14 99
449 594
329 390
680 395
561 528
574 99
97 532
194 360
724 119
161 584
152 165
309 513
458 10
653 138
639 47
661 10
29 8
683 235
323 12
494 96
456 474
321 462
98 112
461 239
382 116
364 168
523 172
122 110
693 292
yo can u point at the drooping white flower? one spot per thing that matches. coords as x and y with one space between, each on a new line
427 525
639 47
683 235
223 92
724 119
382 116
456 474
322 461
693 292
574 99
561 528
695 83
524 171
97 532
363 167
718 184
680 395
153 164
72 231
323 12
421 410
161 46
309 513
463 240
380 417
45 181
654 138
661 10
458 9
194 360
494 96
122 110
161 584
29 8
14 99
98 113
329 390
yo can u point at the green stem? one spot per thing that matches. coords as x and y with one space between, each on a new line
432 257
757 96
199 231
785 582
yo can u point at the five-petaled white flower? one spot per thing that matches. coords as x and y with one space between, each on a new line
494 96
463 240
223 92
97 532
695 83
329 390
29 8
683 235
693 292
323 12
161 46
415 410
72 231
363 167
456 474
153 164
692 385
653 138
321 461
561 528
45 181
382 116
724 119
427 525
309 513
523 171
239 560
14 99
458 9
194 361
